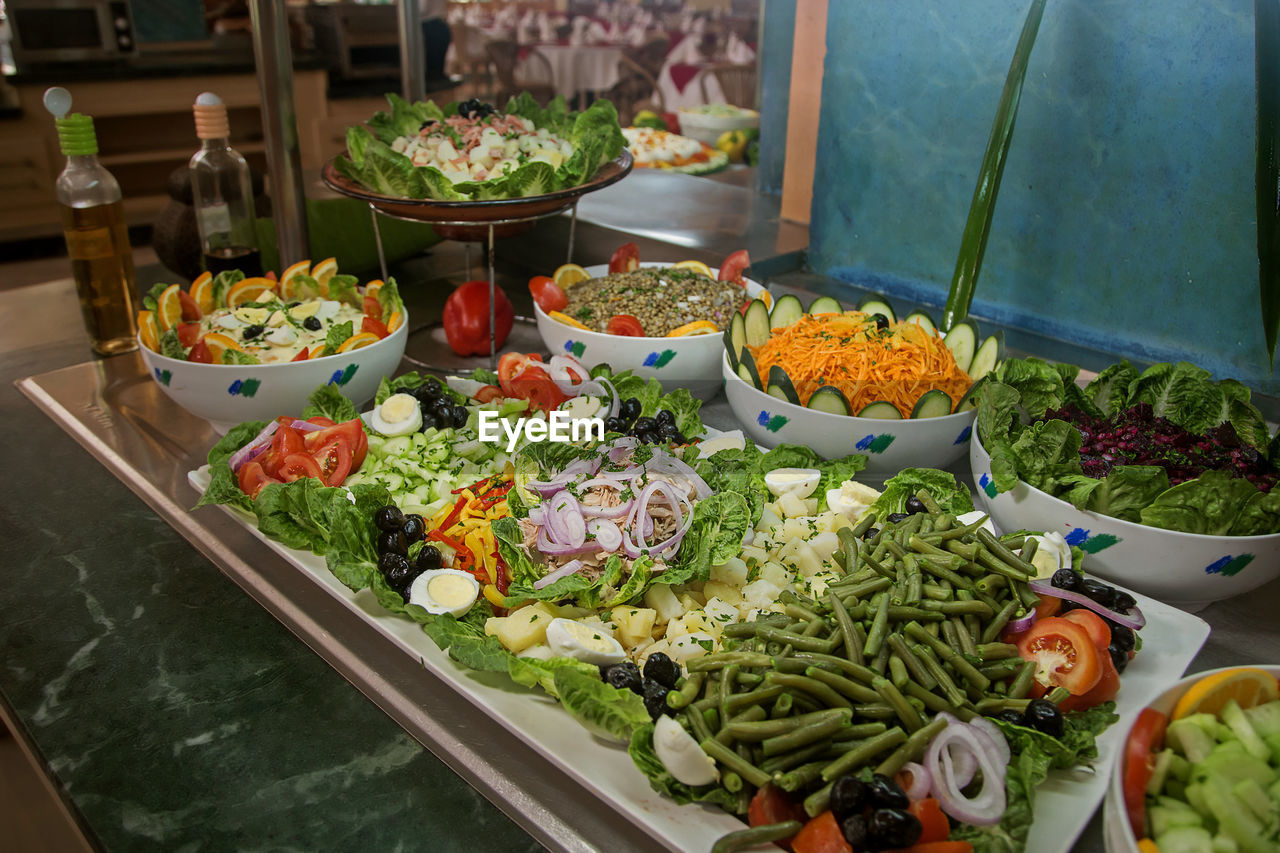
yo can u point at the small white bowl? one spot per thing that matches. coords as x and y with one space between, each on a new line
227 394
1117 835
708 128
691 362
1188 570
889 446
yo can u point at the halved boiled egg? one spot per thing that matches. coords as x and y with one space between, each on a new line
681 755
1051 554
731 440
444 591
399 414
792 481
570 639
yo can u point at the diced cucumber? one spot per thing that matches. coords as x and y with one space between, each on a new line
737 337
747 370
1232 765
1240 727
1264 718
881 410
1160 772
1225 844
1195 798
785 311
1180 768
781 386
987 356
1165 819
1252 795
830 400
962 340
757 323
969 400
922 319
1185 839
1273 743
877 304
933 403
1234 818
729 349
825 305
1189 739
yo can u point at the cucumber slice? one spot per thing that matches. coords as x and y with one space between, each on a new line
830 400
962 340
747 369
756 323
877 304
826 305
881 410
988 355
781 386
737 336
933 403
730 350
923 320
785 311
970 400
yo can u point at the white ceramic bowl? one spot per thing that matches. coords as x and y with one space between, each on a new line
889 446
691 362
707 128
1188 570
226 394
1117 835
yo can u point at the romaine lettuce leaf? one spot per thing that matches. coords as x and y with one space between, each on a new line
1123 494
952 497
1260 514
998 413
358 138
719 524
1181 392
1208 504
328 402
535 672
601 708
1038 383
646 759
1046 452
1110 389
223 487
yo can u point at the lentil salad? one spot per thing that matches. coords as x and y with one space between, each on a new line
661 298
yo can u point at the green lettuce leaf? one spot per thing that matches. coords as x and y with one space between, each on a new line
951 496
151 301
535 672
405 382
1123 494
342 288
1110 389
388 172
637 582
430 182
235 356
646 759
1208 504
601 708
736 471
358 138
389 299
223 487
998 415
309 516
337 333
328 402
1260 514
171 347
1046 452
1248 422
484 375
1038 383
1183 393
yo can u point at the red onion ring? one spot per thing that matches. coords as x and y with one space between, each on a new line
988 806
560 549
921 781
1133 619
564 571
568 527
306 426
606 533
1022 623
622 448
992 732
664 463
563 369
589 511
257 445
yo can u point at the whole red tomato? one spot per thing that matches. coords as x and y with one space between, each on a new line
466 318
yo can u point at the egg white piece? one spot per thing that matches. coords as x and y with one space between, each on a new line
792 481
851 500
444 591
1051 554
731 440
681 755
399 414
570 639
585 406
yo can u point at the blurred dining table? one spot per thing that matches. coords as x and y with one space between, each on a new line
575 69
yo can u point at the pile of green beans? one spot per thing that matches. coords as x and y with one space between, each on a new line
856 677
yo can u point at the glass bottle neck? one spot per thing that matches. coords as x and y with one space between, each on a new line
83 162
222 142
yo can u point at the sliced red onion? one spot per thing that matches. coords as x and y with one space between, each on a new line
988 806
1022 623
625 474
568 526
602 480
618 511
964 765
306 426
250 451
551 577
536 513
564 370
560 549
614 402
664 463
683 520
921 781
1133 619
992 732
607 534
622 448
553 522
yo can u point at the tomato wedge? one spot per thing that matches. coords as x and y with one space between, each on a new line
1145 739
1099 630
190 310
295 466
549 295
371 307
200 353
773 805
1064 655
488 393
821 835
357 444
374 325
302 355
625 325
535 386
732 267
1048 606
253 479
625 259
1104 691
188 334
511 365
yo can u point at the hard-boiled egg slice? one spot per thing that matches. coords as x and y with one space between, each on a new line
571 639
731 440
851 500
1051 554
328 308
681 755
282 337
792 481
584 406
399 414
444 591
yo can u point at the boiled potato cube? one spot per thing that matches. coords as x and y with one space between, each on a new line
753 554
773 573
824 545
691 600
635 624
721 612
732 573
761 594
522 628
697 620
807 561
793 506
731 593
811 506
661 599
690 646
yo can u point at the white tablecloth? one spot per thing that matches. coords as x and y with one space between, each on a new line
586 68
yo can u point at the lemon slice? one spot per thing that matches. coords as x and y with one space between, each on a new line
697 327
289 279
561 317
1246 685
169 308
570 274
697 266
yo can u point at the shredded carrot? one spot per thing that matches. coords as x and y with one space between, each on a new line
848 352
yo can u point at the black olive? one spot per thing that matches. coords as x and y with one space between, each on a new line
253 331
460 416
426 124
668 431
882 322
1122 637
662 669
392 541
311 324
895 517
1098 591
679 438
414 528
613 425
431 420
849 796
1124 602
665 416
888 794
1008 715
390 560
645 423
629 409
1119 656
855 831
914 505
1043 716
871 532
626 676
401 576
388 518
655 698
894 828
1065 578
442 407
294 304
647 436
429 558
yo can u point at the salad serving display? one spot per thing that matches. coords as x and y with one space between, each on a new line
844 668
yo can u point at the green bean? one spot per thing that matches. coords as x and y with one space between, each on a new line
779 764
754 714
935 592
689 687
1000 688
880 569
798 641
997 651
754 697
1022 681
972 624
875 711
845 687
864 524
732 761
1000 567
926 526
898 670
748 679
879 625
755 836
1029 549
953 693
930 504
852 736
967 551
731 782
930 565
697 724
1028 598
804 735
935 703
800 777
749 629
967 645
943 521
858 671
904 653
869 748
904 613
852 649
1057 695
896 549
878 552
812 629
889 693
991 705
812 686
923 546
912 749
881 662
817 802
954 608
753 731
724 691
909 525
996 625
1001 669
1002 552
720 660
1077 559
949 634
991 583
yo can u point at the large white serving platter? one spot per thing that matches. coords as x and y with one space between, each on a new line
1064 803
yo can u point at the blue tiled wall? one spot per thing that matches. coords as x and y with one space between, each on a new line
775 88
1126 216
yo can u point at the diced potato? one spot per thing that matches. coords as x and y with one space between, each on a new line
761 594
721 613
769 519
792 506
819 582
797 528
831 521
724 592
522 628
787 553
753 553
811 506
635 624
600 626
773 573
539 652
660 598
690 646
825 544
697 620
732 573
691 600
663 646
675 628
807 561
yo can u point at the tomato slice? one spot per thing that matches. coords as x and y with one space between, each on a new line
188 334
488 393
626 259
1099 630
333 460
771 804
357 446
732 267
286 441
1063 653
318 420
298 465
624 325
253 479
200 353
377 327
821 835
1145 739
1049 606
372 307
539 390
1104 691
302 355
549 295
190 310
511 365
934 824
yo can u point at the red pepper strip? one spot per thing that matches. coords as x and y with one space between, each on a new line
447 540
503 580
454 515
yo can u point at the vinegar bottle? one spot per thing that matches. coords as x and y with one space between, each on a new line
223 194
97 237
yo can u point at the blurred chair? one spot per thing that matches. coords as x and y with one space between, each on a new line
536 76
738 82
471 59
635 90
650 55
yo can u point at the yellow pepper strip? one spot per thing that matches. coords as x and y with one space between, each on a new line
492 594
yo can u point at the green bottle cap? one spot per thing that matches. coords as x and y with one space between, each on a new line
76 136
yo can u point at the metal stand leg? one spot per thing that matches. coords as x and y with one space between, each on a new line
493 328
466 256
377 239
573 229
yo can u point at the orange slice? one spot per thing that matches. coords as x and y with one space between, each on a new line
697 266
570 274
697 327
202 291
324 271
1246 685
147 331
218 344
360 339
1146 845
561 317
249 290
169 308
396 321
288 280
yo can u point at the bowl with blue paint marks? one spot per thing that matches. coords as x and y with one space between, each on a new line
1188 570
689 361
889 445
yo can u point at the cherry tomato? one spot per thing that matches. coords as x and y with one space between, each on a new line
934 824
302 355
1104 691
295 466
488 393
372 307
626 259
773 805
1146 737
190 310
188 334
624 325
377 327
253 479
1064 654
732 267
1098 629
549 295
1049 606
821 835
200 353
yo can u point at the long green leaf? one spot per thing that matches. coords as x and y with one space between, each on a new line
974 243
1267 179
